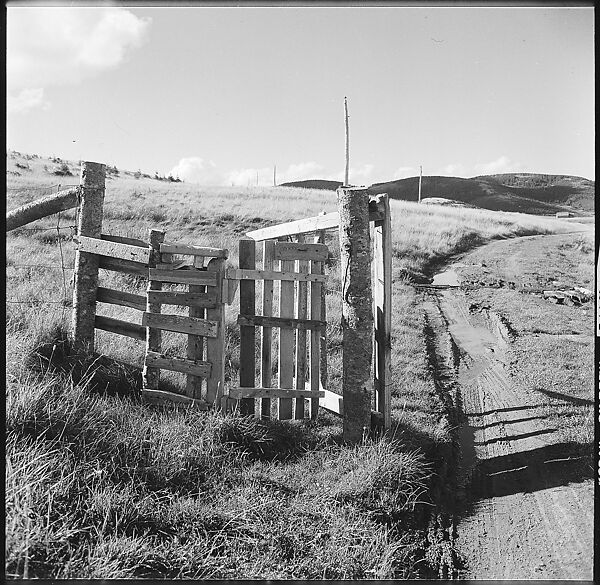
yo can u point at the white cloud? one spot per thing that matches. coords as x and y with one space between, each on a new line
405 172
194 169
60 45
499 166
249 177
26 99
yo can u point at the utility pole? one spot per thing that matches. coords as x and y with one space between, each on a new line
420 177
346 184
257 178
274 175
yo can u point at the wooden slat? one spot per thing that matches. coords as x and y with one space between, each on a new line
195 344
308 225
242 274
124 240
193 367
320 268
205 300
113 249
283 322
120 327
199 277
302 267
247 260
167 398
267 332
123 266
286 341
300 251
169 248
121 298
215 348
288 393
179 324
316 310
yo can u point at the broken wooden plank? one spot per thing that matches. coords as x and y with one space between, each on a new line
185 366
169 248
121 298
199 277
300 251
120 327
282 322
241 274
113 249
180 324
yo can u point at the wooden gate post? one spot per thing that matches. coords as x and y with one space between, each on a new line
357 311
247 259
93 176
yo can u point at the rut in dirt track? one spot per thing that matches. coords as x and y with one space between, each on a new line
523 516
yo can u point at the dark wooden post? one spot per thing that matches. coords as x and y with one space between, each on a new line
93 176
357 313
247 259
151 375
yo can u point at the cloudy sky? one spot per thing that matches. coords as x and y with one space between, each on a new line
219 95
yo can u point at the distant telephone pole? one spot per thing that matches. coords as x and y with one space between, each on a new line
274 175
420 177
347 143
257 178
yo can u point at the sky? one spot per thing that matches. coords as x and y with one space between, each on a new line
221 95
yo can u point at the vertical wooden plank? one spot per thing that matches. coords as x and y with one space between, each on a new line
382 312
247 259
320 239
215 347
316 300
195 343
93 178
267 332
301 313
286 340
151 375
357 311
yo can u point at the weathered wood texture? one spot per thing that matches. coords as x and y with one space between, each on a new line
93 176
195 343
120 327
302 267
43 207
150 373
318 349
198 277
168 248
382 312
121 298
241 274
179 324
247 260
357 315
215 347
282 322
124 240
286 341
300 251
113 249
267 332
205 300
289 393
122 266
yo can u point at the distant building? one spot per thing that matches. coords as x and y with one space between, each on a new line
564 214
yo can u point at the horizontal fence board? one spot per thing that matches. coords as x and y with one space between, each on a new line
300 251
120 327
185 366
283 322
199 277
239 393
179 324
164 397
185 299
242 274
123 266
167 248
124 299
113 249
124 240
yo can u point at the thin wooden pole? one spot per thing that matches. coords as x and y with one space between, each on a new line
215 347
301 313
274 175
347 170
93 178
151 375
286 340
420 177
357 312
247 259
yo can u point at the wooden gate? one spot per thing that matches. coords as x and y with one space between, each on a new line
297 267
201 271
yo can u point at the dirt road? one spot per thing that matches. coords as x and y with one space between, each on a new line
525 497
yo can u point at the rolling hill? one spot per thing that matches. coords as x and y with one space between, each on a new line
538 194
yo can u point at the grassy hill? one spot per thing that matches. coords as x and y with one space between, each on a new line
521 192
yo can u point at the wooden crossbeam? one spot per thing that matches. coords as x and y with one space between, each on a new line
300 251
124 240
185 366
282 322
239 393
167 248
206 300
179 324
123 266
121 298
120 327
241 274
199 277
113 249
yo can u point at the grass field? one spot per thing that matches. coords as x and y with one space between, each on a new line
100 486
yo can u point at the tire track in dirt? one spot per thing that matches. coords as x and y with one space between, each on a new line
525 511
